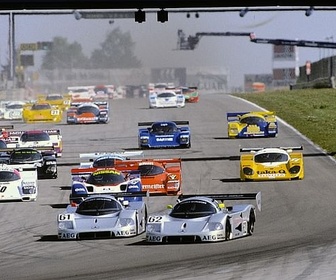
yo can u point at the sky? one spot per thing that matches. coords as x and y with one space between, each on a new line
156 42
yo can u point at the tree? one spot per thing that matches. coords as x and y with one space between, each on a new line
64 55
117 51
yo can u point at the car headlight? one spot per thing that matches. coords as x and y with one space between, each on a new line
126 222
215 226
234 130
248 171
153 228
295 169
144 140
65 225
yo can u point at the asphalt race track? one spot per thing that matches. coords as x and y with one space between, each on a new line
294 235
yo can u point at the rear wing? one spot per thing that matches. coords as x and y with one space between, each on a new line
222 197
6 127
134 164
40 149
288 149
235 116
123 155
151 123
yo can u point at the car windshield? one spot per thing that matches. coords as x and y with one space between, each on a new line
150 170
252 120
37 107
7 176
35 136
98 206
88 109
160 128
271 157
14 106
54 97
191 209
104 162
166 94
106 177
25 156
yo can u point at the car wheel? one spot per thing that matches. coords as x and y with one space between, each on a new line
228 230
251 222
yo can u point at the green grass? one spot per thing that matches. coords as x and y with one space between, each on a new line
311 111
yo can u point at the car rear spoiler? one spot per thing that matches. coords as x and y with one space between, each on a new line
118 155
42 148
176 122
6 127
237 115
222 197
283 148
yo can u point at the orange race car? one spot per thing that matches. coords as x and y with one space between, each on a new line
158 176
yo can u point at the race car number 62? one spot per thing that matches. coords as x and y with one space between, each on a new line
154 219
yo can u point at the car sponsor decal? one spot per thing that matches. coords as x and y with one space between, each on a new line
162 139
109 171
154 186
154 238
68 235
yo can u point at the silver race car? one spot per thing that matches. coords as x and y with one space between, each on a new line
103 216
204 218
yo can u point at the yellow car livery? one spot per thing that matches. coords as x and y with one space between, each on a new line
252 124
261 164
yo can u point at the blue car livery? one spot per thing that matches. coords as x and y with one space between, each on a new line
164 134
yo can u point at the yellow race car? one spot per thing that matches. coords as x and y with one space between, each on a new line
252 124
63 101
261 164
41 112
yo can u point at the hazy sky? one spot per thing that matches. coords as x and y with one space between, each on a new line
156 41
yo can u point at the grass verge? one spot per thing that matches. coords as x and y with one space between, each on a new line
311 111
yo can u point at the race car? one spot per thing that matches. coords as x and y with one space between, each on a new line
35 139
41 112
13 110
55 99
106 159
281 163
102 216
252 124
103 92
166 99
18 183
204 218
81 93
158 176
88 113
42 158
164 134
191 94
92 181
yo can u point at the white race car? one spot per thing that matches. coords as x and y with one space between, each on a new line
18 183
166 99
204 218
13 110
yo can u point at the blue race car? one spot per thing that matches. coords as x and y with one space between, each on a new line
164 134
252 124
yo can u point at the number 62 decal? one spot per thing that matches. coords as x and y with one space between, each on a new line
154 219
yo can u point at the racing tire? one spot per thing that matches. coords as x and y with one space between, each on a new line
228 231
251 223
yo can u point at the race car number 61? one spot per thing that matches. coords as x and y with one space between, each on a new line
63 217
